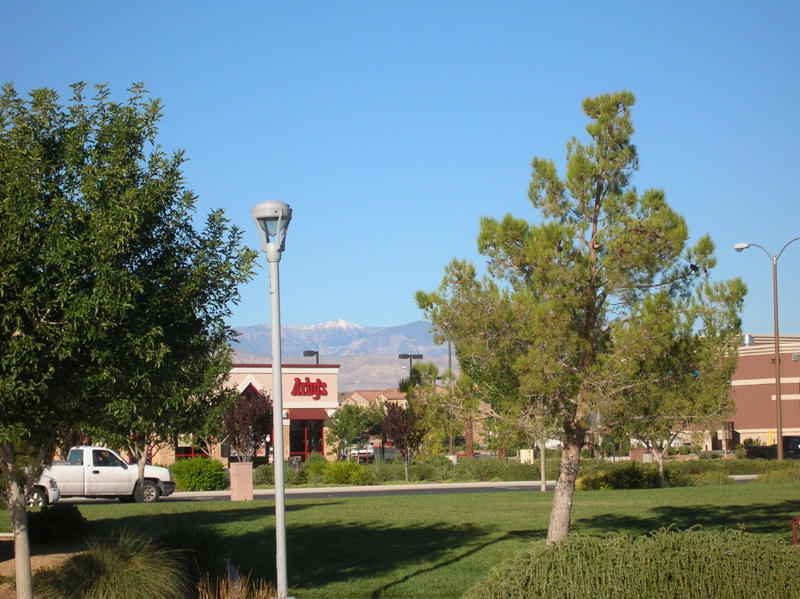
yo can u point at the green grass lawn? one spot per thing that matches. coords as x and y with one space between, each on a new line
441 545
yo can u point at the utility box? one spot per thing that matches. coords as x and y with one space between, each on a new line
241 481
526 456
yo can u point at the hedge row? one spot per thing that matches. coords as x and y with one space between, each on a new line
202 474
664 565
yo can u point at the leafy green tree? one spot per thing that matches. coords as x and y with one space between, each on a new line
91 210
571 305
349 424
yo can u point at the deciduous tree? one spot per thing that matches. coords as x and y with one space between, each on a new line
88 204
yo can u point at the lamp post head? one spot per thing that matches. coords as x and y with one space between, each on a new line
272 218
741 246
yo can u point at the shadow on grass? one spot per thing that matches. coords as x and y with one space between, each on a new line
758 518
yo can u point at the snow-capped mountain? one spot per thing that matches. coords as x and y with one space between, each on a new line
341 338
367 355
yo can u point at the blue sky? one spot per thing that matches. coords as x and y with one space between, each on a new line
391 128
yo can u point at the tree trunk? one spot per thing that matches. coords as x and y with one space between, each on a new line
501 453
565 488
542 467
15 492
468 436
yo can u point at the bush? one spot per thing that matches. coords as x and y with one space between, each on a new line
199 474
431 468
263 475
387 470
313 468
620 475
479 469
667 564
55 524
128 565
347 473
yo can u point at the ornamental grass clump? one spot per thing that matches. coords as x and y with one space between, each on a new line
125 566
667 564
347 473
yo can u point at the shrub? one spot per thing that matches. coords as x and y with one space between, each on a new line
199 474
201 550
621 475
128 565
58 523
263 475
347 473
667 564
433 468
387 470
478 469
313 468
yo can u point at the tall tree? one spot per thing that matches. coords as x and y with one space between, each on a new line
571 303
84 191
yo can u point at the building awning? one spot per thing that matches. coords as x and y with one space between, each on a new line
308 414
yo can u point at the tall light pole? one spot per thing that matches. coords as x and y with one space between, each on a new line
778 410
410 358
273 219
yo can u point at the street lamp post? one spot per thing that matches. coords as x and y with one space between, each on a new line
310 352
739 247
410 358
273 219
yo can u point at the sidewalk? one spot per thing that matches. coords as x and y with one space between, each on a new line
534 485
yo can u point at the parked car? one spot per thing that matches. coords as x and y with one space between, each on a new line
791 449
44 492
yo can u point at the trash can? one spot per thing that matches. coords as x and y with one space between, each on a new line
295 461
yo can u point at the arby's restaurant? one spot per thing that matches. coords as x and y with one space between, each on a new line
310 396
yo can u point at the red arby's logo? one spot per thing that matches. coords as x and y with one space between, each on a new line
306 388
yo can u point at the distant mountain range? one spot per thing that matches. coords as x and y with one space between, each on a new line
367 355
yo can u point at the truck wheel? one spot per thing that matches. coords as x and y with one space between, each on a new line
36 498
150 492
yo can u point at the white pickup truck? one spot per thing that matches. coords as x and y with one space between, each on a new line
91 471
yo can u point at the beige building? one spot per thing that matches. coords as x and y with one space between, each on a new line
310 396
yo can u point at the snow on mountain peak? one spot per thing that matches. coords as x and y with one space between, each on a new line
337 324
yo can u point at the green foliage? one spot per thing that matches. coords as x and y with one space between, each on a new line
199 474
620 475
127 565
664 565
57 524
313 468
263 474
479 469
351 423
599 307
780 472
347 473
387 470
201 550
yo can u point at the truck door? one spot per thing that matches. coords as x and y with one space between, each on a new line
108 474
71 474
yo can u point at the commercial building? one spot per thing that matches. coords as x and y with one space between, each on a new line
310 396
753 388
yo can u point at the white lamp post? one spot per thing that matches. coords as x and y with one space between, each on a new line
273 219
778 410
